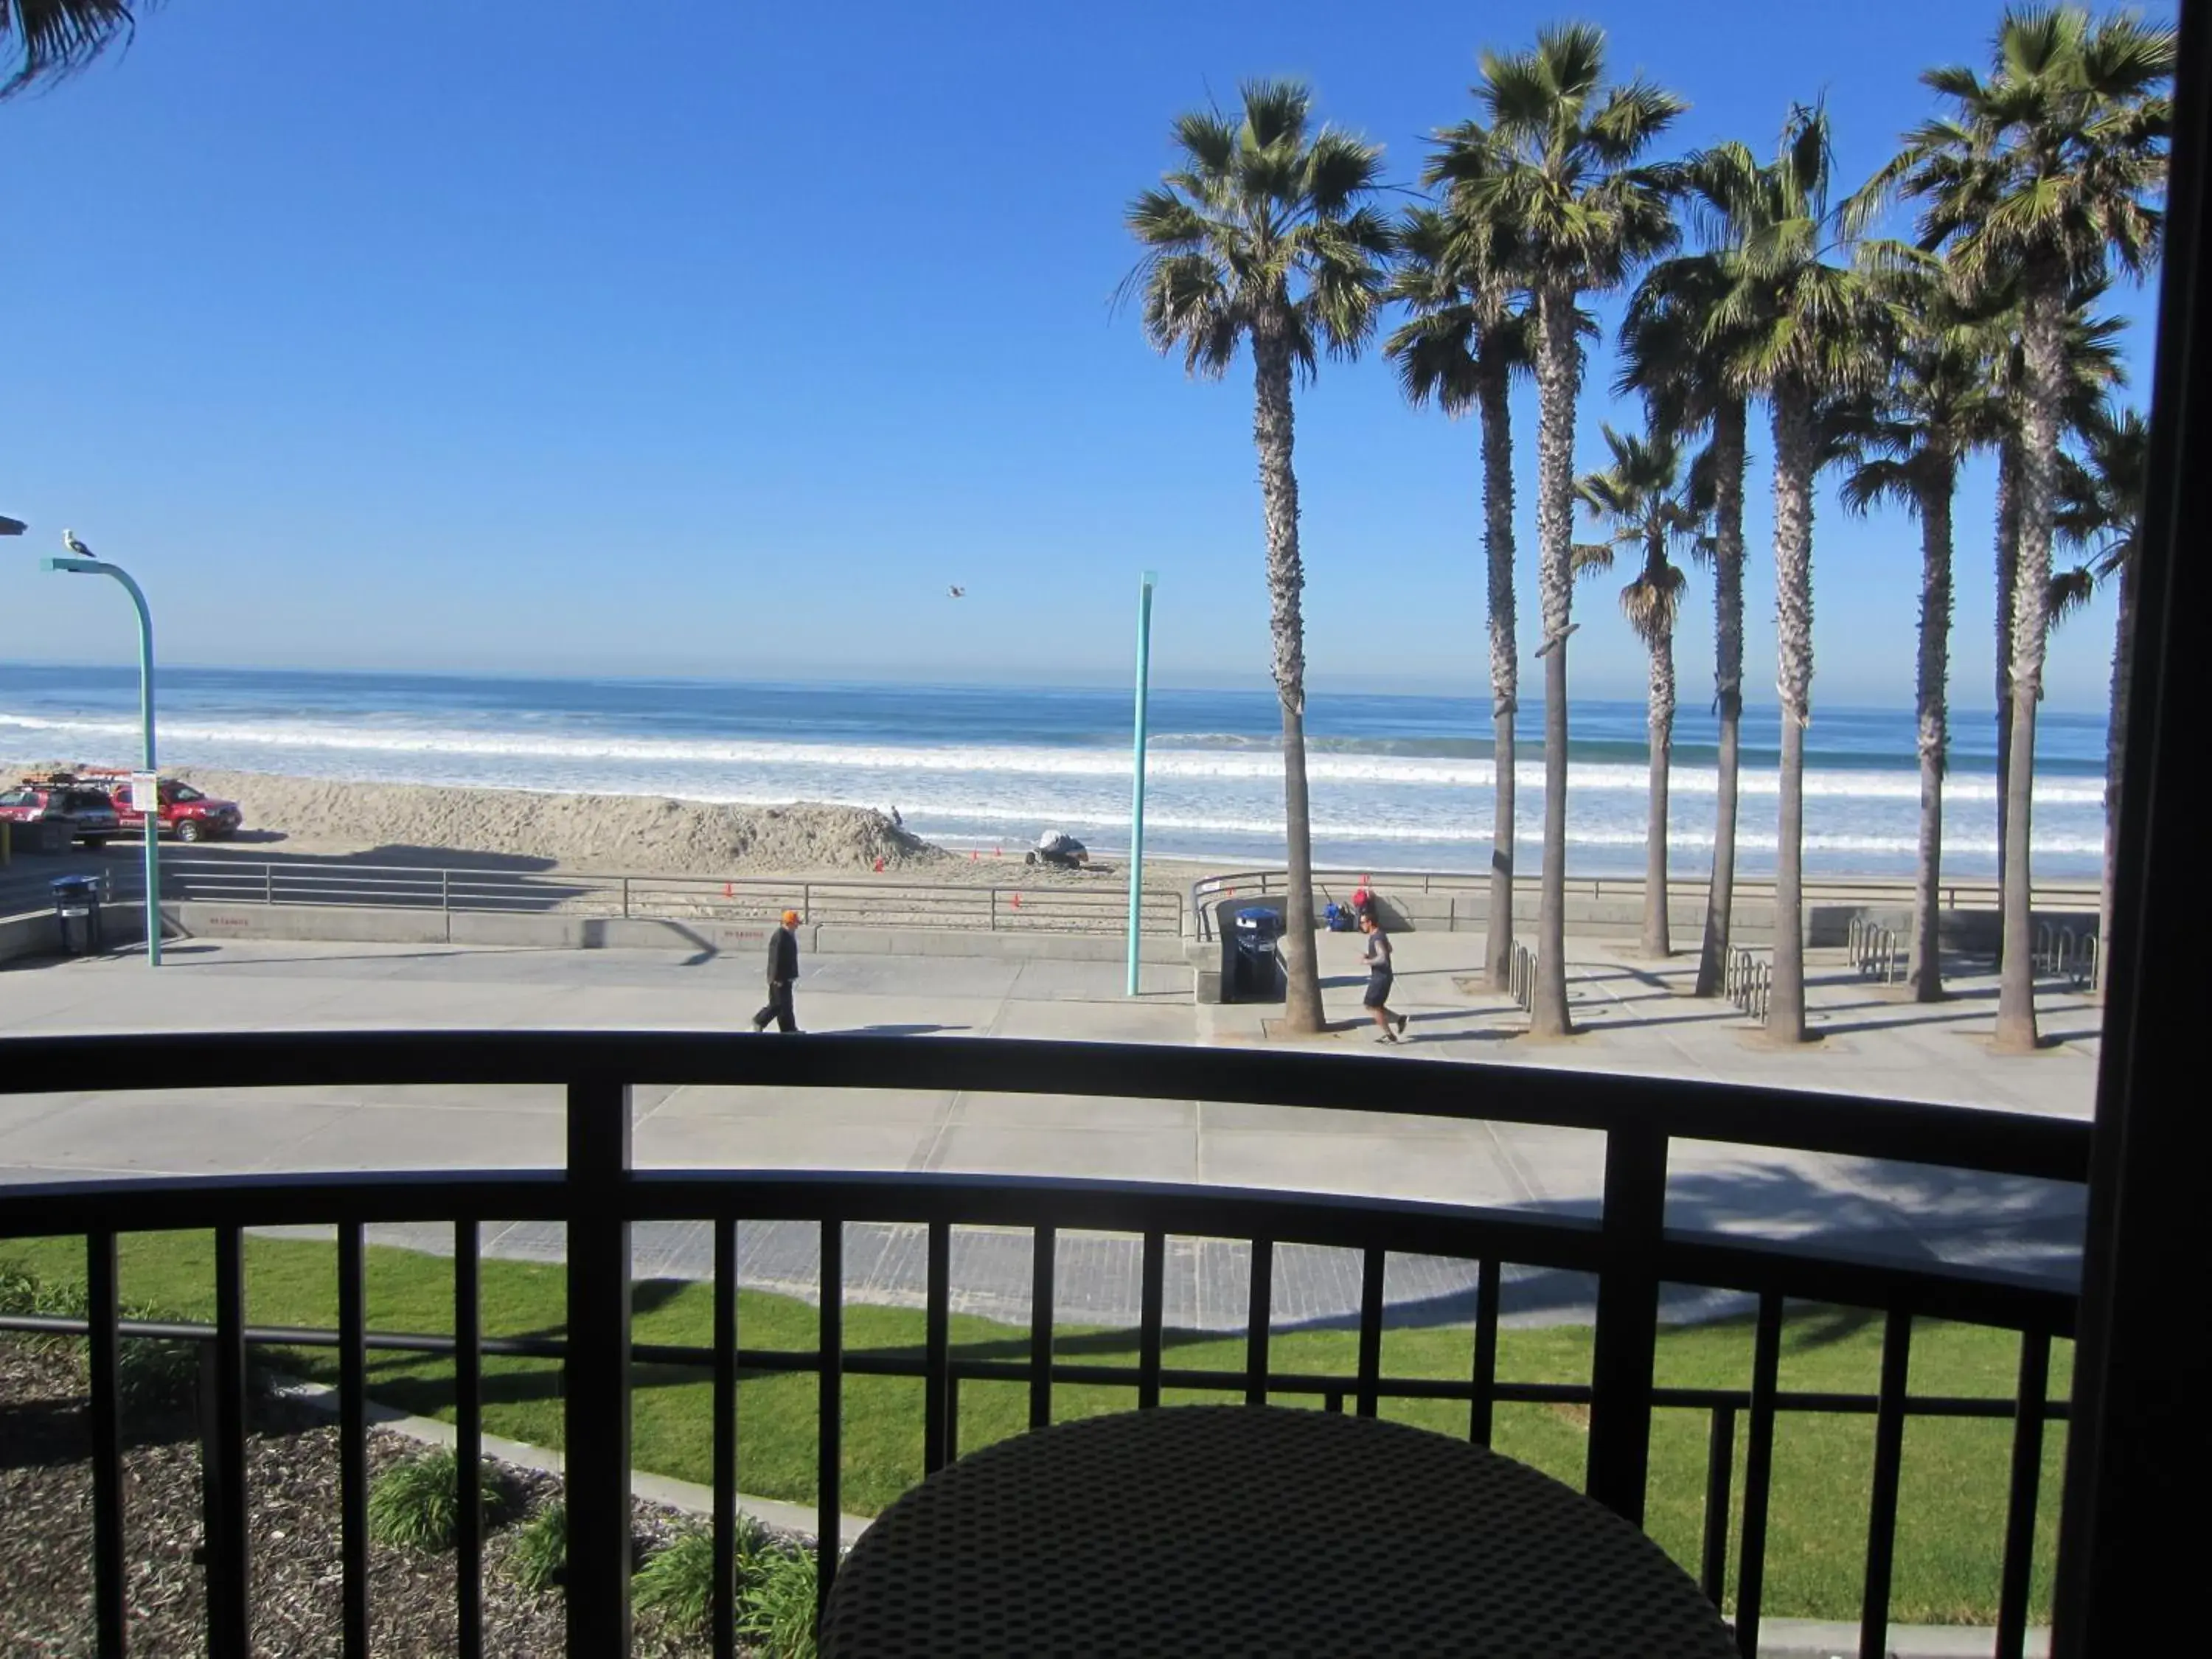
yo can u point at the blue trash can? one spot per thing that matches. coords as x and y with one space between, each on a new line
76 913
1258 960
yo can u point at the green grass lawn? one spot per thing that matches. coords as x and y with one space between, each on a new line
1951 1513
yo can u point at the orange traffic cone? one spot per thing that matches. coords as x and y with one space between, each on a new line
1017 900
728 891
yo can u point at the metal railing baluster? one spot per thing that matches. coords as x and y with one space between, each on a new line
597 1409
1881 1511
936 1386
1258 1321
1372 1263
1044 1245
102 1307
1482 1408
829 1413
468 1439
1758 1473
228 1537
2031 1408
1720 1466
1626 1341
1150 1315
353 1441
725 1451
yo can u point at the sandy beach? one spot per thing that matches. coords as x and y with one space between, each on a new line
416 823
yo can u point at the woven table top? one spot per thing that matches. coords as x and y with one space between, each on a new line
1200 1530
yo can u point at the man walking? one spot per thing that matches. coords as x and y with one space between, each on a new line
782 970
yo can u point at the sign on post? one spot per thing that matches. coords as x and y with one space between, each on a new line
146 793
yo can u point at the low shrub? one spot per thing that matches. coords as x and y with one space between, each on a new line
777 1613
539 1558
677 1585
416 1504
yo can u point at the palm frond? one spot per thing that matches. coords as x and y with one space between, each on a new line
48 40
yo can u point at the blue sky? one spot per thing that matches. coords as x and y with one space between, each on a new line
718 340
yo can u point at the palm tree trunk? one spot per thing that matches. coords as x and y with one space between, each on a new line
1558 358
2044 347
1272 436
2007 554
1728 685
1660 721
1794 465
1934 670
1495 412
2116 732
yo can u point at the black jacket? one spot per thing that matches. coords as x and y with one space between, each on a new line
783 956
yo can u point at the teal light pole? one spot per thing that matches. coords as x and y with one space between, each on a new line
150 810
1137 789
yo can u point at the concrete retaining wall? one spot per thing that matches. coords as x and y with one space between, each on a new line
370 924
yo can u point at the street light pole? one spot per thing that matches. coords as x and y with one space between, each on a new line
1137 789
149 810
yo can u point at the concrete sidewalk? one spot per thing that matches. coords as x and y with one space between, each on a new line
1637 1021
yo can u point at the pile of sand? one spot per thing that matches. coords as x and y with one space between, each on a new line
627 833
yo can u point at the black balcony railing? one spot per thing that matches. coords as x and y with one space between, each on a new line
599 1196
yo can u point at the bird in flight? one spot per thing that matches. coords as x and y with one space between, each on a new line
78 549
957 593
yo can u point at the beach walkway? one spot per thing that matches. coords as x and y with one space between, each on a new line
1636 1017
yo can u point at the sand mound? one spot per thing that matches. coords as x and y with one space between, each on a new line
627 833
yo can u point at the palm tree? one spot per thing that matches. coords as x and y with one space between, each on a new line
1643 498
1464 344
1935 409
1672 356
2093 370
1804 325
2046 170
1265 232
2100 509
46 39
1553 171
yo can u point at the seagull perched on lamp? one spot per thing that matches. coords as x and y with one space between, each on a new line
77 550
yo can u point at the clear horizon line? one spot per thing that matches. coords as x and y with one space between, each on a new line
1350 685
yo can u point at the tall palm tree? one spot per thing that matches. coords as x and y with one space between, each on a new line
2093 371
2048 170
1554 167
1805 324
1643 496
1935 409
1672 356
1265 232
1467 340
2100 510
46 39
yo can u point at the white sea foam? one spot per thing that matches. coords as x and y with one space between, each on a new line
579 755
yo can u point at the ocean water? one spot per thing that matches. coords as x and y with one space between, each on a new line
1397 781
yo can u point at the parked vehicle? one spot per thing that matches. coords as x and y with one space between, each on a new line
186 814
62 799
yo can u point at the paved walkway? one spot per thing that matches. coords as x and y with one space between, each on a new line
1636 1020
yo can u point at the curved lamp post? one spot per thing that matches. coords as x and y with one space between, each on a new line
149 809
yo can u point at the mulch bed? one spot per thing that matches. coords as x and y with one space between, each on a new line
45 1535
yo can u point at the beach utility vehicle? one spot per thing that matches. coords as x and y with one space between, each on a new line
1060 850
60 798
187 813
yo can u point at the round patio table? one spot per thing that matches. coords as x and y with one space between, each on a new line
1205 1530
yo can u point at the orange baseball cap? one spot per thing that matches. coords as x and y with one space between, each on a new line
791 918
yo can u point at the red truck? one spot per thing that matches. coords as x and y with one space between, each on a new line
186 814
